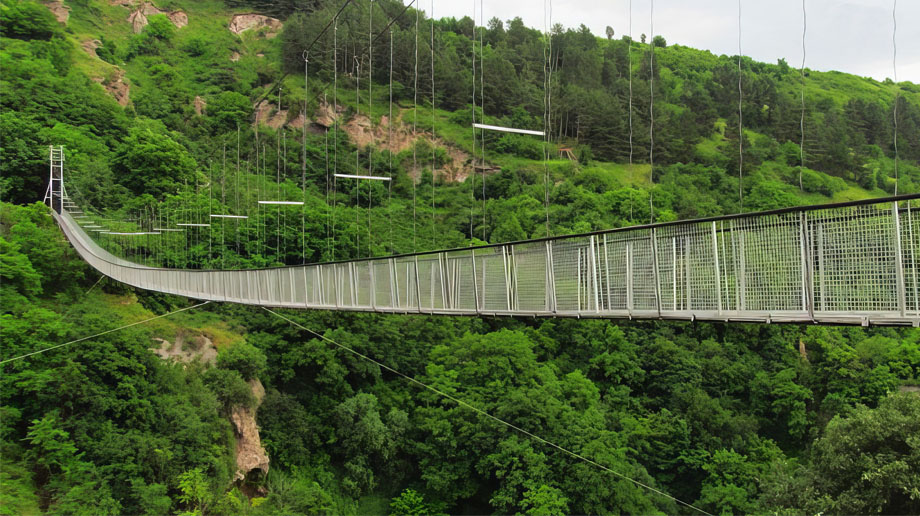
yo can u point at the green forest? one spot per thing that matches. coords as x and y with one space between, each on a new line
173 110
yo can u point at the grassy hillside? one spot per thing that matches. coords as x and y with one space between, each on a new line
732 418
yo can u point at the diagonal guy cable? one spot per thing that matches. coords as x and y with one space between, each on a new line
103 333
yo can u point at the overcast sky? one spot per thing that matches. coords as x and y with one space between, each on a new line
853 36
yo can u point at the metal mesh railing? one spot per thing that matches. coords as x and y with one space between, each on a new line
855 263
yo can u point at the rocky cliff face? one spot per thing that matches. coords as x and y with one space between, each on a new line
250 455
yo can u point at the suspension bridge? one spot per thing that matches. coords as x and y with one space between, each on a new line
849 263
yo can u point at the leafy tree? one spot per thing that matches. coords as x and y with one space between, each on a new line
229 110
244 358
409 503
151 160
20 281
290 493
229 387
869 461
26 20
545 501
194 491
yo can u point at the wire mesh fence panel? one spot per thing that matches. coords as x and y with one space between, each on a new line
490 279
642 271
233 279
298 286
361 272
615 251
263 284
569 273
728 274
431 291
309 285
383 284
854 259
345 285
285 286
768 257
330 293
531 277
460 281
672 267
702 278
407 282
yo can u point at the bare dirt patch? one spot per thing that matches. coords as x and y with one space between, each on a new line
194 349
242 22
90 46
116 86
60 11
400 138
139 16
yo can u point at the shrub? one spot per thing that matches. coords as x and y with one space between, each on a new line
243 358
27 20
229 388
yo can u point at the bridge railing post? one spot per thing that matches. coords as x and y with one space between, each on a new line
716 269
899 261
550 278
654 240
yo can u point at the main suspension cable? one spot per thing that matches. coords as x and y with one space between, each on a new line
415 139
335 126
740 126
802 119
547 99
482 104
897 94
390 153
629 54
433 148
303 170
651 110
472 176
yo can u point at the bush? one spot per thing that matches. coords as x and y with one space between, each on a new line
519 145
243 358
816 182
229 388
27 20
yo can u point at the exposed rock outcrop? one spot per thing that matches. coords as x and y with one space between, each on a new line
116 86
250 455
242 22
197 349
142 11
90 46
60 11
361 131
200 105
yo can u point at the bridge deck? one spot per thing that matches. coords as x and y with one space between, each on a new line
852 263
